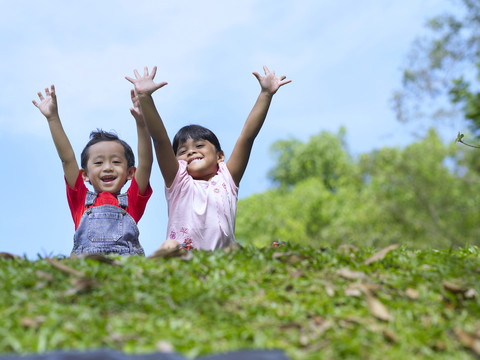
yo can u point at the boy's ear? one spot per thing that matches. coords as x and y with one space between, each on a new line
130 172
220 156
85 175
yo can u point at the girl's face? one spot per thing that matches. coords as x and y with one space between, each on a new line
107 168
202 158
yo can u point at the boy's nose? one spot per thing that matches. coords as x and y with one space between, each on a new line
107 165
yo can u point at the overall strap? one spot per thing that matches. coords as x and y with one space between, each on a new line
90 198
123 200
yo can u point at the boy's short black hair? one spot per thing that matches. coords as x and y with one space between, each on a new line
100 135
194 132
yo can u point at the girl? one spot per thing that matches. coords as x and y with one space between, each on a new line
201 189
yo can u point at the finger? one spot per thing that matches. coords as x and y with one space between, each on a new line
266 70
158 86
130 79
285 82
34 103
257 75
137 75
52 93
145 71
40 96
154 71
282 77
132 94
47 92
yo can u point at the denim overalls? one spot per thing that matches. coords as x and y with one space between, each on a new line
106 229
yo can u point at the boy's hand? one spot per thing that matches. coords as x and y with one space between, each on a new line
144 85
136 111
270 83
48 105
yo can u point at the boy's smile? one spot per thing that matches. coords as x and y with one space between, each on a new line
202 158
107 168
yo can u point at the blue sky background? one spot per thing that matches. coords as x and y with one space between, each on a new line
344 58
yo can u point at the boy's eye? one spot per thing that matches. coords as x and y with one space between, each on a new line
200 145
117 162
98 163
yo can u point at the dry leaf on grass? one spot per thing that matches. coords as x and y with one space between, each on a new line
350 274
172 253
347 248
64 268
5 255
100 258
81 286
470 341
380 255
412 294
288 257
377 309
457 289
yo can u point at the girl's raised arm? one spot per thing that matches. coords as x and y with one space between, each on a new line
237 163
144 88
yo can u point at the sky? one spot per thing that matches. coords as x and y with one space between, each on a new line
344 59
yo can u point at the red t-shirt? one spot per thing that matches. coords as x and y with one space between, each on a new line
76 200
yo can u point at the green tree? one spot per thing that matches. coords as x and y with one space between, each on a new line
441 79
425 194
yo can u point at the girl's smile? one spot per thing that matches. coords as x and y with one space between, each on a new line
202 158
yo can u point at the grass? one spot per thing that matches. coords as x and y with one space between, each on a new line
312 303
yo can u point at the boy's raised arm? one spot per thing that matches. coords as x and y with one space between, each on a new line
145 153
237 163
48 107
144 88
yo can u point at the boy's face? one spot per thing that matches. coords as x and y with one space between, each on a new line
107 168
202 158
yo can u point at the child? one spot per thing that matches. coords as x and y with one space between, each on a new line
105 220
201 190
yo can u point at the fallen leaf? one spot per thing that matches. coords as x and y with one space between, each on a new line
64 268
164 346
380 255
288 257
350 274
389 335
81 286
5 255
101 258
468 340
172 253
347 248
470 294
34 322
453 287
377 309
353 291
412 294
44 275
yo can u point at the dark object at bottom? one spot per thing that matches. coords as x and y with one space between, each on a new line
115 355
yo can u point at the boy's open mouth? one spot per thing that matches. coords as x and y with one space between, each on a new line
194 159
108 178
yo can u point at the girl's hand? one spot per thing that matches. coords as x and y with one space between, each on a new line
270 83
48 104
144 85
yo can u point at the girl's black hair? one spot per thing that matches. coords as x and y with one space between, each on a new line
194 132
100 135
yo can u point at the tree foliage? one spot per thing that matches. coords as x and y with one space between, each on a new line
425 194
442 76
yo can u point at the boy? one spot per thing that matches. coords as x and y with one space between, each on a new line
105 220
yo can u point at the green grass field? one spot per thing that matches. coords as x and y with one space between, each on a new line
312 303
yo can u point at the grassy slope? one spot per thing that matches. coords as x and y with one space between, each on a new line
301 300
